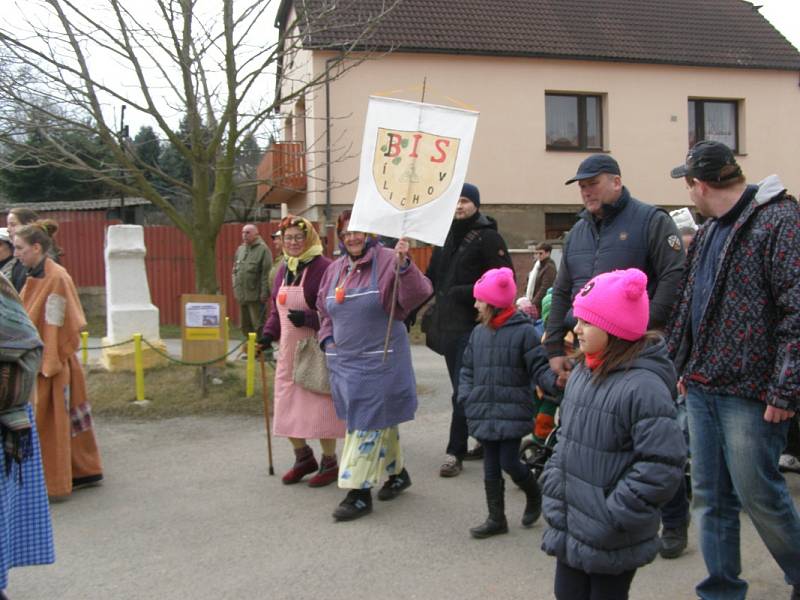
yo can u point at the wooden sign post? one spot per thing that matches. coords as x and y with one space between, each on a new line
202 330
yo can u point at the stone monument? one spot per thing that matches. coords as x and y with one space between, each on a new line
128 306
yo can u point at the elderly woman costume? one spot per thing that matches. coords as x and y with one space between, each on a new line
371 394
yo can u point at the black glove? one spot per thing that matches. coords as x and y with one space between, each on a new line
265 342
297 317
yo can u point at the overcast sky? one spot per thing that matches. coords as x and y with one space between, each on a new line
783 14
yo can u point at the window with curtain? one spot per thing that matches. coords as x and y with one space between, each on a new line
714 120
573 121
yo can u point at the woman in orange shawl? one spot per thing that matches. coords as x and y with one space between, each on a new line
63 417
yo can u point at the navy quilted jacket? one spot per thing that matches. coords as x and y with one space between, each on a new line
748 340
619 457
499 374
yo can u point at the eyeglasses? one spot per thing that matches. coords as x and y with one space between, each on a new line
294 238
346 234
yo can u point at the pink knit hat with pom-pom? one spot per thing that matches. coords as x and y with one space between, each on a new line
616 302
496 287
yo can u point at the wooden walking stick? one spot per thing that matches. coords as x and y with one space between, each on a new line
265 392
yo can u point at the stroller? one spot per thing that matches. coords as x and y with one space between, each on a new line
533 451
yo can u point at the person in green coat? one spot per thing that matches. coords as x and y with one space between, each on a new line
251 284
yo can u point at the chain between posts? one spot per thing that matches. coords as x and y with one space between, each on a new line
155 349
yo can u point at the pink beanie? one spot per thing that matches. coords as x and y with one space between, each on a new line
496 287
615 302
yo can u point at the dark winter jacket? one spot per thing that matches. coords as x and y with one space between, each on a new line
499 374
473 246
748 339
631 234
619 457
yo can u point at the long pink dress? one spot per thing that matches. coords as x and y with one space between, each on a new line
299 413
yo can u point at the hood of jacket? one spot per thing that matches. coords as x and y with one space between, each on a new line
769 188
654 358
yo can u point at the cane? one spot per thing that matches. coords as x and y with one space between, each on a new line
266 411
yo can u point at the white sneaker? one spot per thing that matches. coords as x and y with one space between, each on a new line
789 463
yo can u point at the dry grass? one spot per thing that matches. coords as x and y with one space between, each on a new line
175 391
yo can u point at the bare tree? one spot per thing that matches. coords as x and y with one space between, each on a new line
215 69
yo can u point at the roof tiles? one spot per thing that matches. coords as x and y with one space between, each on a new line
724 33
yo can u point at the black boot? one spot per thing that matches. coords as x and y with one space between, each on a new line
533 500
356 504
495 500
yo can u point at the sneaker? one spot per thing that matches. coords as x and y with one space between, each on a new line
673 542
789 463
476 453
450 467
355 505
394 485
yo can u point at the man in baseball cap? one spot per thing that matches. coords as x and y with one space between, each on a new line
709 161
733 340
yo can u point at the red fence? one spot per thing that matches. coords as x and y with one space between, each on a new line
169 260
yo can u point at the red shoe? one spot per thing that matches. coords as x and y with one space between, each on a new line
304 463
327 474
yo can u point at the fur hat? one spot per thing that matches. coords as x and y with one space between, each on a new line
616 302
496 287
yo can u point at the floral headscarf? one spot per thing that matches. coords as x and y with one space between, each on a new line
312 247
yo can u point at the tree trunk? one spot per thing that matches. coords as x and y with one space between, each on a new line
205 264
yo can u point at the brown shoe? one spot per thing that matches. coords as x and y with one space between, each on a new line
450 467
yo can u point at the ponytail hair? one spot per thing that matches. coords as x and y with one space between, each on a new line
40 232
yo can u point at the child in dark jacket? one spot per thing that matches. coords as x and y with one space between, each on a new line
502 365
620 451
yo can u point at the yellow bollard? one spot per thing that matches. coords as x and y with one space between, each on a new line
138 366
226 335
251 364
85 348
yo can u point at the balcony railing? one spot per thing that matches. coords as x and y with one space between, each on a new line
282 172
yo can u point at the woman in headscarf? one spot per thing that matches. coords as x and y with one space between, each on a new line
300 414
63 414
372 395
26 535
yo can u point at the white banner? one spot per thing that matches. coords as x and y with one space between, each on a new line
414 160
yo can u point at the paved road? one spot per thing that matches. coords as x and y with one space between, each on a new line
188 512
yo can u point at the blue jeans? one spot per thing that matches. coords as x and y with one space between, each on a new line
735 466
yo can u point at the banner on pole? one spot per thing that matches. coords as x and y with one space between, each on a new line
414 159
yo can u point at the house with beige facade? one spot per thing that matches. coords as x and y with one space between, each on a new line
553 80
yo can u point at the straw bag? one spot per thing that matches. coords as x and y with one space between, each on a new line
310 371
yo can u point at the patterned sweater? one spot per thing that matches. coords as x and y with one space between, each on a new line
748 338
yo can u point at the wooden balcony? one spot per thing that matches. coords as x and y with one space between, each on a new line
282 172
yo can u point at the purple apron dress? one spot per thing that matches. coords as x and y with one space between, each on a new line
368 393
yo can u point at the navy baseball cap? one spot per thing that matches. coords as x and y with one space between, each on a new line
708 161
593 166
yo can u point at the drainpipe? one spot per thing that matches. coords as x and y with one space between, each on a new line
328 63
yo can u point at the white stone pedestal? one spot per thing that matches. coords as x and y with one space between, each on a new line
128 306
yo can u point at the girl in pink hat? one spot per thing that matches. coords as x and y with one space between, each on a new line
502 365
620 452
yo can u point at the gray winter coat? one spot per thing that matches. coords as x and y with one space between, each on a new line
619 458
499 374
